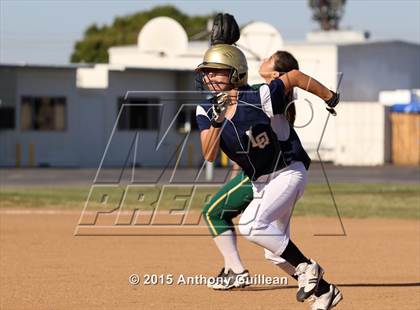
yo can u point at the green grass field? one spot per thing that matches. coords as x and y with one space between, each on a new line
353 200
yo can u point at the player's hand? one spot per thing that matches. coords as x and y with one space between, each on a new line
332 103
220 104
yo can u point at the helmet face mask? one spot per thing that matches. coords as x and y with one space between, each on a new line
215 79
224 56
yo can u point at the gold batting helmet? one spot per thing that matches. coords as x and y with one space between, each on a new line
225 56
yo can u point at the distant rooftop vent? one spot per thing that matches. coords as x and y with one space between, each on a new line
163 35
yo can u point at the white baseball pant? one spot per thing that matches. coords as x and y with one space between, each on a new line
266 220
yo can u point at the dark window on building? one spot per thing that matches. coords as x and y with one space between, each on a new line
138 113
186 119
43 113
7 117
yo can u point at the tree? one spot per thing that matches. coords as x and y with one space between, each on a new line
327 12
93 48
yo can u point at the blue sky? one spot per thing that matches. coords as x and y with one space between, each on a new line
45 31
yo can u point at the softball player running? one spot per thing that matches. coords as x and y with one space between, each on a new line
234 197
269 153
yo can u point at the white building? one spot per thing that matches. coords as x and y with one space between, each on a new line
64 115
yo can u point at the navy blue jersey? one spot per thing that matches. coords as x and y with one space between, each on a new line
258 137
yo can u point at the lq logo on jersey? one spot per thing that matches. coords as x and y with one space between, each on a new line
260 140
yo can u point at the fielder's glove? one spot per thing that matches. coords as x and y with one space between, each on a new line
225 30
220 104
332 102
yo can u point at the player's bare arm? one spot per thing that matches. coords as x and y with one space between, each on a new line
223 107
210 143
210 138
296 78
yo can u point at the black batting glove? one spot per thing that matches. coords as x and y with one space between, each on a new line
334 100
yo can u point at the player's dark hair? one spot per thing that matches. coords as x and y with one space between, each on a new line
283 63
